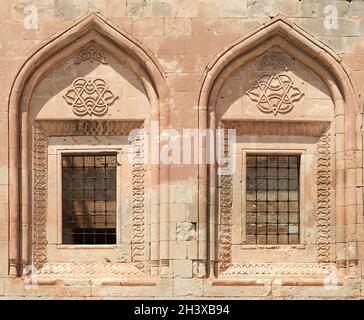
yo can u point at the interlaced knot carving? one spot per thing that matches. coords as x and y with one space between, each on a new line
89 96
274 93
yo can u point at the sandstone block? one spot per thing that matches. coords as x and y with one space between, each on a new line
177 26
148 26
188 287
182 268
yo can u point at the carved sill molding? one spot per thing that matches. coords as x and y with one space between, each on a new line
85 270
44 129
276 270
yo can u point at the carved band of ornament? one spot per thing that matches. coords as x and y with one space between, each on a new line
90 53
274 93
277 269
88 127
226 196
40 197
89 96
323 216
88 269
44 129
277 127
138 205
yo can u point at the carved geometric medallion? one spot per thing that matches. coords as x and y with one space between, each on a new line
89 96
90 53
274 93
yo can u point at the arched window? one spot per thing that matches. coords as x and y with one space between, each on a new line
73 188
282 211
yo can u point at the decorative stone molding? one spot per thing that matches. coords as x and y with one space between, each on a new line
40 183
90 53
323 215
138 202
89 127
44 129
79 270
89 96
274 93
277 269
286 128
226 201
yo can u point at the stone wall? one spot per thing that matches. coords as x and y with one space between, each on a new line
184 39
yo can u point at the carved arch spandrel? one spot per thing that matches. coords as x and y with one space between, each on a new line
91 28
280 33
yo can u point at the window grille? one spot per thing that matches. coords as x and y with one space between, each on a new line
89 198
272 199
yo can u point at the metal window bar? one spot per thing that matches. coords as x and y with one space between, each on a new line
272 199
89 198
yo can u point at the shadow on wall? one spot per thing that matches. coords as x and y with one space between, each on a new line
126 90
274 86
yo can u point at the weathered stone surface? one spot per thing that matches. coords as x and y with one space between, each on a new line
182 268
287 76
186 231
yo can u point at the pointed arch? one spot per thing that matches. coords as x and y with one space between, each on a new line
279 32
93 27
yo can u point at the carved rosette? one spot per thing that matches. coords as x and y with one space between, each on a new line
89 96
90 53
44 129
324 180
226 201
274 93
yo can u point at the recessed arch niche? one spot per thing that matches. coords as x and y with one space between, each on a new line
95 50
227 100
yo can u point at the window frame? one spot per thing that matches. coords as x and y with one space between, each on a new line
244 202
91 150
89 154
239 192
